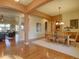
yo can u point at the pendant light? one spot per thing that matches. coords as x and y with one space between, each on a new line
59 22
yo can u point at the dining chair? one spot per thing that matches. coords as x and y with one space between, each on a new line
48 37
72 39
61 38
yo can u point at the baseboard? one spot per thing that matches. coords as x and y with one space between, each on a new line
38 38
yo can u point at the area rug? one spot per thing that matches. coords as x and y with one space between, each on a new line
69 50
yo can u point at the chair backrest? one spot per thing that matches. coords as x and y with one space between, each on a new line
76 36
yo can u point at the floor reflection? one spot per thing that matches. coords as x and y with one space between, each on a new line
11 42
7 42
29 51
10 57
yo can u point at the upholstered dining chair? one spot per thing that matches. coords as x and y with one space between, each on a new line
72 39
48 37
61 38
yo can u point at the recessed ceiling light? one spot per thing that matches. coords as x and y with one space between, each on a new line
17 0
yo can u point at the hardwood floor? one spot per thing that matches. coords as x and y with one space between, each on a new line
31 51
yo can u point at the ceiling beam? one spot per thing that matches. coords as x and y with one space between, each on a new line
19 7
55 18
12 4
35 4
41 14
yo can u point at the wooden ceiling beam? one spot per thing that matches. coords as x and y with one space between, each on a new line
19 7
35 4
41 14
55 18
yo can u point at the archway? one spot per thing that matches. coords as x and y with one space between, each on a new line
14 19
11 4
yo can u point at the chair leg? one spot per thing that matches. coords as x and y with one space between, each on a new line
74 43
68 42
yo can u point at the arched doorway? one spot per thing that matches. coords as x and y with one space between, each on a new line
46 26
11 24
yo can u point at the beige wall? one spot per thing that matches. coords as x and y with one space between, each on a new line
32 27
68 16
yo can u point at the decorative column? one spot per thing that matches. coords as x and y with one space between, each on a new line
51 27
19 24
54 26
18 36
26 26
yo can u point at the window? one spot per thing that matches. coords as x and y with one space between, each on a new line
17 27
4 27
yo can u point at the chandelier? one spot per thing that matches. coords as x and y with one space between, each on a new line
59 21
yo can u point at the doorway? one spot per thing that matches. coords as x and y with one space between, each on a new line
46 26
11 25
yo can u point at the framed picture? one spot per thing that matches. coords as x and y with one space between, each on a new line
74 23
38 27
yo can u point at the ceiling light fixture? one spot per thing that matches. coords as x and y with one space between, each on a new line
59 22
17 0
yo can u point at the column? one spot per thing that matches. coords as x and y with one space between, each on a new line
26 26
51 27
19 24
18 33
